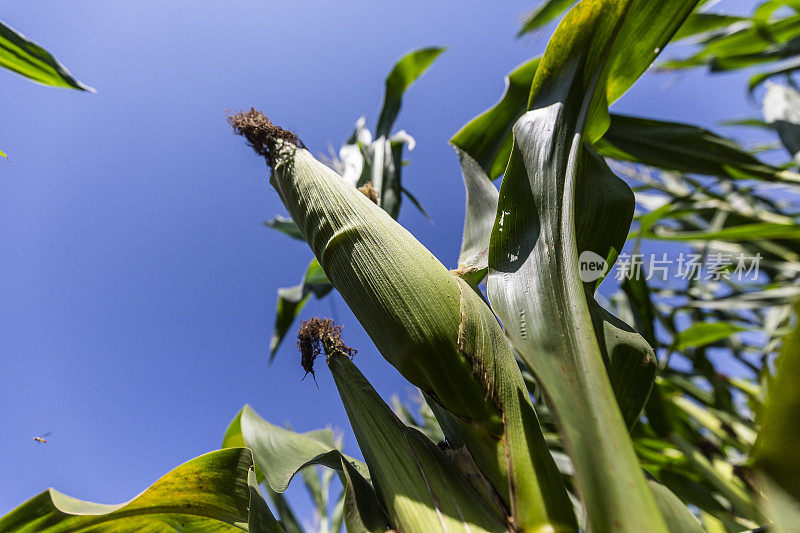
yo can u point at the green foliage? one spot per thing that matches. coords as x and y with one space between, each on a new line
214 492
572 415
20 55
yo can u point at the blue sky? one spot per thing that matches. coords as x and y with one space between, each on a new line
137 284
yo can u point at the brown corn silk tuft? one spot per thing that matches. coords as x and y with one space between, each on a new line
260 132
369 191
317 336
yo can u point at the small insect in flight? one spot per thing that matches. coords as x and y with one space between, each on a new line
42 439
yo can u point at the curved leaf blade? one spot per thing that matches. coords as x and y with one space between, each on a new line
683 147
280 454
421 489
595 55
209 493
775 450
405 72
28 59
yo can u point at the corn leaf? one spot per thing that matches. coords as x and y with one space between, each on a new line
209 493
405 72
669 145
742 232
285 226
28 59
280 453
545 13
595 55
685 148
421 489
675 513
774 453
487 137
786 68
291 301
699 24
746 45
482 197
704 333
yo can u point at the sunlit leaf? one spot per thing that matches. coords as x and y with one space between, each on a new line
685 148
743 232
774 452
704 333
421 489
280 454
746 45
209 493
405 72
548 11
24 57
785 68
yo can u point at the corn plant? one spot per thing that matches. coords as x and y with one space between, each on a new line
540 408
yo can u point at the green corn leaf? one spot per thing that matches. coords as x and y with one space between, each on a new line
24 57
209 493
421 489
487 137
280 453
427 425
746 46
595 55
638 294
774 453
685 148
669 145
647 29
285 226
786 68
675 513
405 72
432 327
699 24
731 489
482 197
782 509
630 362
545 13
703 334
742 232
291 301
260 519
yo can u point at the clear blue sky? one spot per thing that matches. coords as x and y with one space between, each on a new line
137 284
